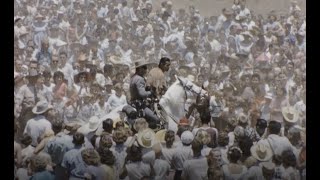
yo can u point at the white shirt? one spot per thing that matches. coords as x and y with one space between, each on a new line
36 127
278 143
115 101
195 168
181 155
161 169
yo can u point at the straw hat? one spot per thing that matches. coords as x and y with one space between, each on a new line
141 62
160 136
146 138
203 137
39 16
41 107
261 152
290 114
91 126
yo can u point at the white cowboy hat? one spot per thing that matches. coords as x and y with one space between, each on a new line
290 114
160 136
146 138
92 125
261 152
141 62
41 107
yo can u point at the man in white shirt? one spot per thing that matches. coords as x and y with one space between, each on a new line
38 125
117 99
277 143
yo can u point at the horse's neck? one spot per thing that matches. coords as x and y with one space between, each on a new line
175 99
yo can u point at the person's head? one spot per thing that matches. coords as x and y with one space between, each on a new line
294 136
234 154
26 140
261 125
78 139
58 77
134 153
44 45
281 92
245 144
105 141
196 147
277 159
274 127
187 138
169 137
164 64
119 136
223 139
90 157
108 70
255 80
63 57
118 89
38 163
142 70
107 125
106 156
288 159
57 126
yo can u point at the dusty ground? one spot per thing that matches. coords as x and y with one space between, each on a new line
214 7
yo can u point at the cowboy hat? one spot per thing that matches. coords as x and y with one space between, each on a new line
41 107
146 138
141 62
160 136
290 114
261 151
91 126
203 137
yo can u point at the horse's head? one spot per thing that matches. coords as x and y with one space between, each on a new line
201 94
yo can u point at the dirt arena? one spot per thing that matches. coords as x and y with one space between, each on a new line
214 7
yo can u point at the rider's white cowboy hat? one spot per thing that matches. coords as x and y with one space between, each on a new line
41 107
146 138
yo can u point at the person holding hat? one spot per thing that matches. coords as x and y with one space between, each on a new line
36 126
138 93
185 153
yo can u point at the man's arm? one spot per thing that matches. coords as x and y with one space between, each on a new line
141 85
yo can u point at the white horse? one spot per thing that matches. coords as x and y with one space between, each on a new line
174 100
